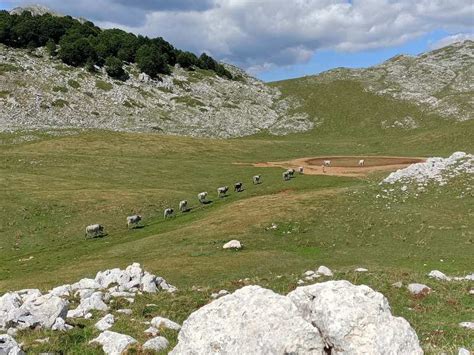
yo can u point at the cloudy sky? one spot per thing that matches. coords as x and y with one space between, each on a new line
277 39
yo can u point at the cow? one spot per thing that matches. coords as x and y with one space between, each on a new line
327 163
291 172
286 176
222 191
361 162
202 197
94 230
168 212
183 206
301 170
257 179
238 186
133 220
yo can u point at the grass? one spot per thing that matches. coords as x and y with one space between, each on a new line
59 103
60 89
7 67
59 185
103 85
73 83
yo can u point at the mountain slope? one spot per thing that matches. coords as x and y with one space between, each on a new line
39 92
413 91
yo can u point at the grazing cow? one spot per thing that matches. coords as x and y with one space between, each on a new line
327 163
238 186
222 191
202 197
257 179
361 162
291 172
301 170
168 212
286 176
94 230
183 206
133 220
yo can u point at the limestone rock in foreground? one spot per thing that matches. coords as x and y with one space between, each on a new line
113 343
355 319
8 346
252 320
156 344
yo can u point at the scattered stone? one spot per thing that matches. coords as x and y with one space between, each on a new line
419 289
113 343
325 271
156 344
233 244
42 341
152 331
469 277
438 275
252 320
309 273
9 346
160 322
467 325
106 322
366 328
60 325
463 351
397 284
300 282
471 291
84 284
360 269
126 311
93 302
219 294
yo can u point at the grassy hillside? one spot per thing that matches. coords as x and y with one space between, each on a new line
52 187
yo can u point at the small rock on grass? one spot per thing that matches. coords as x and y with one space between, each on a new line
419 289
113 343
360 269
233 244
156 344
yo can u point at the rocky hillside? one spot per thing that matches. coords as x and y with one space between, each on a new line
440 81
39 92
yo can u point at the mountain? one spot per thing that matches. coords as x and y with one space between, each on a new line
402 93
40 92
35 10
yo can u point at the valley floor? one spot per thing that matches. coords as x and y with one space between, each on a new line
52 187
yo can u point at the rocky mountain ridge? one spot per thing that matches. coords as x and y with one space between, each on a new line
40 92
440 81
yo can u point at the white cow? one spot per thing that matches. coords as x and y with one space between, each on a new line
286 175
361 162
183 206
257 179
222 191
202 196
327 163
301 170
94 230
133 220
168 212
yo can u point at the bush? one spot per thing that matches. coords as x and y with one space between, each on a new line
151 61
103 85
113 67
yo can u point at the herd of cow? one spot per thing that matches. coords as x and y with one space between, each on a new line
97 230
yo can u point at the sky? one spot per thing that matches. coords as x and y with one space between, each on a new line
280 39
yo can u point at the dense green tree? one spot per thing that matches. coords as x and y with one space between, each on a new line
186 59
151 61
113 67
206 62
51 47
76 51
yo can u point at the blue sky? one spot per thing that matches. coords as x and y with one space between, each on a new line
280 39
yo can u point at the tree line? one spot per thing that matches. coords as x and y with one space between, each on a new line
82 44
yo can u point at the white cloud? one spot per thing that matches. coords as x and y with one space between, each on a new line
262 34
446 41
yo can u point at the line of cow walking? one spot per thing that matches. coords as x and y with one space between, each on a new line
97 230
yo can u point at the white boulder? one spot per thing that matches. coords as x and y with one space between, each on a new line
160 322
93 302
113 343
438 275
156 344
8 346
152 331
463 351
60 325
418 289
252 320
85 283
233 244
126 311
324 270
105 322
467 325
354 319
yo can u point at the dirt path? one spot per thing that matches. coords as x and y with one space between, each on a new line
344 165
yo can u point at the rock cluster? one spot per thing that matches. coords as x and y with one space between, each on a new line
333 316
